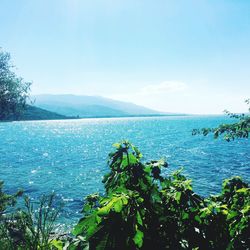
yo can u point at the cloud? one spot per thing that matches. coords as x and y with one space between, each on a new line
153 91
163 88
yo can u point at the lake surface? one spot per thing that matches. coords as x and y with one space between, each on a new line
70 156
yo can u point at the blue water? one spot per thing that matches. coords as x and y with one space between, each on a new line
70 156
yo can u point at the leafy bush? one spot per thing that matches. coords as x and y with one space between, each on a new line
239 129
29 228
143 209
6 201
14 91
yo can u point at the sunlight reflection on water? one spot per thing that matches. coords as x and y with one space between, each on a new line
70 156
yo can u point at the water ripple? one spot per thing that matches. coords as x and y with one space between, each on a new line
70 157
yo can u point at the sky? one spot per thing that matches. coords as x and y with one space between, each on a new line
173 56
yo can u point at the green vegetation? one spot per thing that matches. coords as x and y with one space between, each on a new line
239 129
7 200
143 209
30 228
14 91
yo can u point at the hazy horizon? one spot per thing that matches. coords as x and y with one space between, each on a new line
186 57
166 111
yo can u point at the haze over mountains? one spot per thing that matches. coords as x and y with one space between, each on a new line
90 106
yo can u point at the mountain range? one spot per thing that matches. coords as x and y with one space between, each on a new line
90 106
52 107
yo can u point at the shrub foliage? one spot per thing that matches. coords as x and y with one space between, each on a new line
239 129
29 228
14 91
144 209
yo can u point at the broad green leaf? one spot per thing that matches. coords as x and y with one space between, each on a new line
245 209
224 211
84 224
138 238
118 205
185 216
138 218
224 206
132 159
178 196
231 215
197 218
205 212
243 190
103 211
57 243
98 219
124 200
91 230
87 208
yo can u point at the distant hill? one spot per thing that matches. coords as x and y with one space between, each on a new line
90 106
35 113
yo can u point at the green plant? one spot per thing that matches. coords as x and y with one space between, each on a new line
227 215
145 209
37 222
30 228
240 129
14 91
7 201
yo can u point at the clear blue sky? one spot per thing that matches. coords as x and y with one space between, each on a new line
180 56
